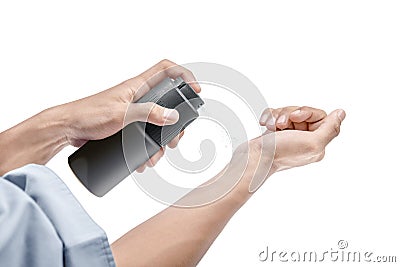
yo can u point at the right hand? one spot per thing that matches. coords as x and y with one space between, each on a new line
105 113
301 137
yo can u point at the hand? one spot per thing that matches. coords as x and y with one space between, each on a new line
101 115
293 117
193 230
303 133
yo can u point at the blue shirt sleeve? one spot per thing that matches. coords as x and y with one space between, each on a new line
42 224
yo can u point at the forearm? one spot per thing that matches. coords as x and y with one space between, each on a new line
174 237
35 140
179 236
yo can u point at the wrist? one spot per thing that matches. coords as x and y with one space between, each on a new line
249 183
51 126
35 140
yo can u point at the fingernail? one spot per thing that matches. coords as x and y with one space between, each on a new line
297 112
171 114
271 122
197 84
263 118
341 114
281 119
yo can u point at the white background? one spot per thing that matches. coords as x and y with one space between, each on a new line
327 54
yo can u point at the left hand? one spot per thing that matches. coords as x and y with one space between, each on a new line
302 136
292 118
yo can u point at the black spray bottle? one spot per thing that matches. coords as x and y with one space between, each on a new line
101 164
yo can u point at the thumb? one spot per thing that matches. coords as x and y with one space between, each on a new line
330 127
151 112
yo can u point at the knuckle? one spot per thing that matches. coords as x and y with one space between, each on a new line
129 90
286 110
141 84
336 129
268 111
165 63
140 80
276 112
155 112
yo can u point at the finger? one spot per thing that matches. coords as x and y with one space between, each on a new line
283 121
269 118
307 114
174 142
153 76
330 126
174 71
298 118
307 118
300 126
155 158
151 112
141 168
315 125
265 116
